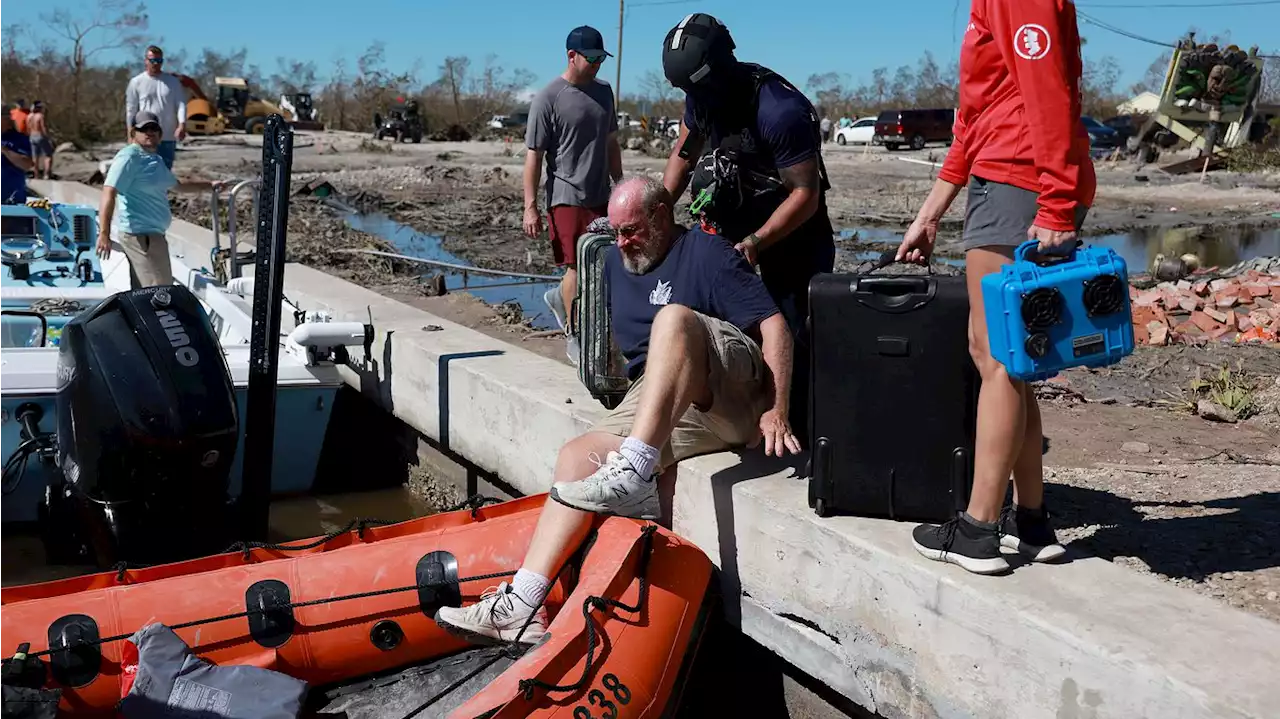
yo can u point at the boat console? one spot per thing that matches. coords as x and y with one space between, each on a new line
50 270
58 235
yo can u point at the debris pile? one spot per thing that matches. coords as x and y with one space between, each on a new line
1243 308
1208 75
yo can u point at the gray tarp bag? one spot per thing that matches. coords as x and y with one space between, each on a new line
172 682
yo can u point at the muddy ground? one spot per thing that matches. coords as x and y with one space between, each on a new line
1135 475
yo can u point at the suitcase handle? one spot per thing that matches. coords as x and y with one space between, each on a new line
888 257
1029 251
894 294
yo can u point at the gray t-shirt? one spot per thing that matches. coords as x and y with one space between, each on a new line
571 124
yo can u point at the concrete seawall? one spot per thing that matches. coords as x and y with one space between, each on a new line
846 600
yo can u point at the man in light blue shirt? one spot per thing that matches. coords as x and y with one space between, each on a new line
136 195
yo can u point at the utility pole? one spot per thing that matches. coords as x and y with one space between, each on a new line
617 83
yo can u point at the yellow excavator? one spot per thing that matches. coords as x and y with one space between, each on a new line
234 109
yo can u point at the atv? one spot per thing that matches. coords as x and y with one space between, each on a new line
401 123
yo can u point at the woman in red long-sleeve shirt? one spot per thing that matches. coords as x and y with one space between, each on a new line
1024 154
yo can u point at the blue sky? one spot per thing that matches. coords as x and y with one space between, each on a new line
811 36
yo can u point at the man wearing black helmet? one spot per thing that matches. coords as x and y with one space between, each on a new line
751 142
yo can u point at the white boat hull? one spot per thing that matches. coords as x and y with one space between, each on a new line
307 386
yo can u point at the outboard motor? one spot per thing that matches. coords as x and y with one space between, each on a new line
147 431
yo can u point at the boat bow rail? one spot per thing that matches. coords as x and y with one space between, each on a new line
219 255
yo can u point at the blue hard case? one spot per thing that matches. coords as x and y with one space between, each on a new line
1046 312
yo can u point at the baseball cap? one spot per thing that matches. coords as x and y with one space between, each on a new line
142 118
587 41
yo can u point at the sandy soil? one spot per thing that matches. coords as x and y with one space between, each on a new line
1135 477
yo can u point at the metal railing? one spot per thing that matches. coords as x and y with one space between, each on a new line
214 206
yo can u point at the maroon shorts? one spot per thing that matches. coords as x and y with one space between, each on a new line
565 224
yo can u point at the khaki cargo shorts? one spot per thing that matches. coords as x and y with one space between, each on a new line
149 263
739 395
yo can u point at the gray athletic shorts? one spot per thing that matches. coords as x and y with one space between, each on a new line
999 214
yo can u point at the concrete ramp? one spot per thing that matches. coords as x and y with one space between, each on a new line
847 600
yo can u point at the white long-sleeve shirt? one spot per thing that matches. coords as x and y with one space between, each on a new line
163 95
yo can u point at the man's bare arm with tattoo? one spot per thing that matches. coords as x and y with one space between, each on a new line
679 170
802 182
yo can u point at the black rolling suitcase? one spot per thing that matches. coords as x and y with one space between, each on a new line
893 398
601 366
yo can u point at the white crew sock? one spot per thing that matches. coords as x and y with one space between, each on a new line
641 456
531 587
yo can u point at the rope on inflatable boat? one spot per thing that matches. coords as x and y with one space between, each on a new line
288 605
594 602
513 649
358 525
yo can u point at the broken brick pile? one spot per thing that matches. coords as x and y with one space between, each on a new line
1245 308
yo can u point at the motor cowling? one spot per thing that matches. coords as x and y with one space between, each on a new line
147 428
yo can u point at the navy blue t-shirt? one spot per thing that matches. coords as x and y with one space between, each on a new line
786 126
784 121
702 272
13 179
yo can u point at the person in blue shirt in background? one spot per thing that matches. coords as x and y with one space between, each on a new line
709 355
17 161
756 140
137 185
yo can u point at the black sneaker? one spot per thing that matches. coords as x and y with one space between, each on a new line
962 542
1030 532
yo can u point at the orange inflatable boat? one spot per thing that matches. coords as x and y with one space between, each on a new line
625 615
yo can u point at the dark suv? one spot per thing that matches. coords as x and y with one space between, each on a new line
895 128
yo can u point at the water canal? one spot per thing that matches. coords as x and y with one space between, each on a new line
1215 246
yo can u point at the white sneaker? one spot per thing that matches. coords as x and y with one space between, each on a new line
498 616
555 302
615 488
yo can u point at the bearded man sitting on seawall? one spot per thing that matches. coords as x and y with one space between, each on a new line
709 357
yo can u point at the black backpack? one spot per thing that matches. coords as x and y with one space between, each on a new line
734 183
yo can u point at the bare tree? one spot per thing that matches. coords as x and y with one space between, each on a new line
655 87
829 90
1153 79
112 24
880 85
1098 86
213 64
934 87
12 32
335 95
453 76
377 85
10 62
493 90
1270 90
293 76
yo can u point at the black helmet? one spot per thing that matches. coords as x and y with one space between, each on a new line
694 50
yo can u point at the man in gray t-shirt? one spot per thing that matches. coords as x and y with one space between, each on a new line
574 124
